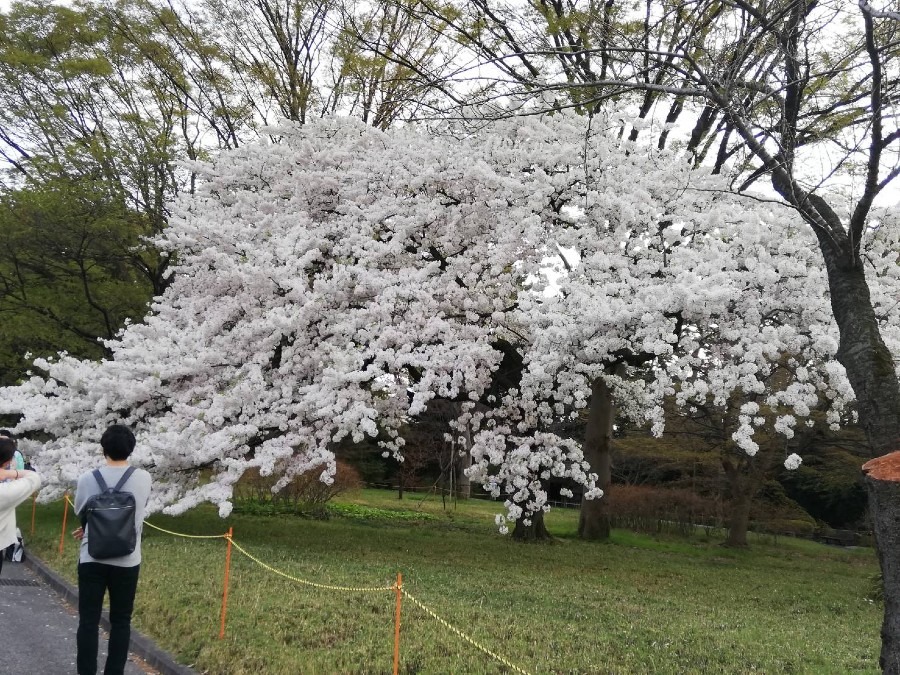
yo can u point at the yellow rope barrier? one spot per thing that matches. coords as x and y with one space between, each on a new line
465 637
187 536
309 583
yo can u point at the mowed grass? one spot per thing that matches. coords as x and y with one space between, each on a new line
637 604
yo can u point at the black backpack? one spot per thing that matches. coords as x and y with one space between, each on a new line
109 519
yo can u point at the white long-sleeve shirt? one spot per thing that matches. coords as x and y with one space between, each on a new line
13 493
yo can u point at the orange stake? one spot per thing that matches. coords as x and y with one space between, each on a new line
33 507
225 590
62 537
399 588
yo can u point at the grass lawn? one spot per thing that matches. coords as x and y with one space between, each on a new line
637 604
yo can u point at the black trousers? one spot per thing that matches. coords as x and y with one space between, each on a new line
94 580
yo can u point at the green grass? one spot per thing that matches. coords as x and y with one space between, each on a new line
637 604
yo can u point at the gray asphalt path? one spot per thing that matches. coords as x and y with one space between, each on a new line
39 627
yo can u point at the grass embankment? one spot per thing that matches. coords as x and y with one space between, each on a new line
635 605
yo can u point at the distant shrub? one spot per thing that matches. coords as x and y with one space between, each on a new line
304 494
794 527
653 509
650 509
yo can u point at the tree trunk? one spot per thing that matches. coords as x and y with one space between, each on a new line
463 484
870 369
745 478
537 531
738 520
593 523
862 352
883 483
464 462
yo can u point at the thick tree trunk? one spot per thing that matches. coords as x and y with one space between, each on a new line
738 520
883 483
870 369
743 485
594 523
862 352
536 531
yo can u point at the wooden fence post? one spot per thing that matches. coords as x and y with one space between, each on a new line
225 588
62 536
399 588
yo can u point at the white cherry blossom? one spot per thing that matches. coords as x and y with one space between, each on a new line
331 284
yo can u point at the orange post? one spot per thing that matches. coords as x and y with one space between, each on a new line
33 507
399 588
225 589
62 537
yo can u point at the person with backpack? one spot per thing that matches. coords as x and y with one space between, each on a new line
15 487
111 502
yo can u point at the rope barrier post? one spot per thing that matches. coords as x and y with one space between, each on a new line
399 588
62 536
33 508
225 589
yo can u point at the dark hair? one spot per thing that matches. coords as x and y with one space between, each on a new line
7 433
7 449
117 442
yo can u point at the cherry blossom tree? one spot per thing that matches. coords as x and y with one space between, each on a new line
333 283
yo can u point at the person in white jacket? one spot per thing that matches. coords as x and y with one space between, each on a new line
15 488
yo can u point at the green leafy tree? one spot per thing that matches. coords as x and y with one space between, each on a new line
390 63
70 274
98 105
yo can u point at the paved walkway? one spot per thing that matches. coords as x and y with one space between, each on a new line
39 627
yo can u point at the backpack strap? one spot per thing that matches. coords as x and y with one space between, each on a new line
99 478
102 485
124 478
